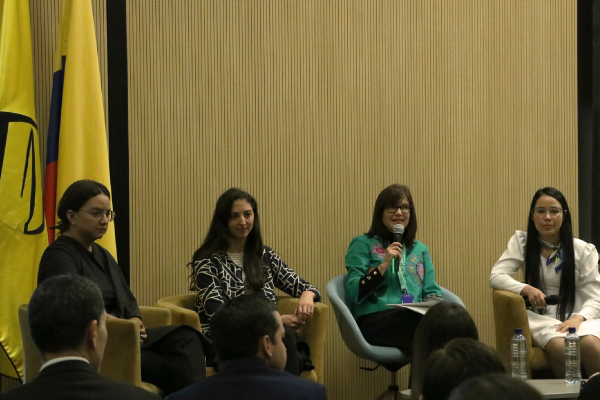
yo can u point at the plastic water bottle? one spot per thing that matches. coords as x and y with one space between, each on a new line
572 357
518 355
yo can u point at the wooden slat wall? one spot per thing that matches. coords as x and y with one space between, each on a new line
315 106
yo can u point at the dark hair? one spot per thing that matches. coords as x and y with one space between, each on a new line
390 197
240 323
60 310
494 387
443 322
75 197
458 360
533 248
217 238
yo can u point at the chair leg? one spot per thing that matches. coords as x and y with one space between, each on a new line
393 390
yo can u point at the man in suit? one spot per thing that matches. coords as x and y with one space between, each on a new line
68 325
247 333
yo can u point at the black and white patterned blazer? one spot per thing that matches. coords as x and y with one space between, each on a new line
218 279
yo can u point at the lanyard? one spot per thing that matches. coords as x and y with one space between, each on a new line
401 270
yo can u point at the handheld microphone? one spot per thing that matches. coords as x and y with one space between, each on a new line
550 300
398 232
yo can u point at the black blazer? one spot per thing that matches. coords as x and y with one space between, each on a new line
251 379
76 380
67 256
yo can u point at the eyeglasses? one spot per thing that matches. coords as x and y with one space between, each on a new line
541 212
405 208
98 214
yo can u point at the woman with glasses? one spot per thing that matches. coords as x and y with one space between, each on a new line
381 271
555 263
172 356
233 261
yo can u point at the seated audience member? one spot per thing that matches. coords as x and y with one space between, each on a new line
233 261
442 323
459 360
494 387
591 389
172 357
68 325
247 334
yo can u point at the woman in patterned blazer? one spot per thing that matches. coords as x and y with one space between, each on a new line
233 261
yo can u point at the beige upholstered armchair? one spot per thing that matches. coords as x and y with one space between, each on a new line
121 355
510 313
313 332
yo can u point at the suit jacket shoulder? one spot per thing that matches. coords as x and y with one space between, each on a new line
254 379
76 380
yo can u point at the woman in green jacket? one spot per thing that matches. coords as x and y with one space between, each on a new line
381 271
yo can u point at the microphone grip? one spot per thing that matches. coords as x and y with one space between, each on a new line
550 300
397 237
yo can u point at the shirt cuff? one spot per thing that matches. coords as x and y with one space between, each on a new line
369 282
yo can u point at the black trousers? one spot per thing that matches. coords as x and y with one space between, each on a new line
173 357
294 361
390 328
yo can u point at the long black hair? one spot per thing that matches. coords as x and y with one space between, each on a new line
533 248
217 238
390 197
442 323
75 197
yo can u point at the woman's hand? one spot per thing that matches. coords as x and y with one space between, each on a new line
306 306
572 322
394 250
537 298
292 321
143 334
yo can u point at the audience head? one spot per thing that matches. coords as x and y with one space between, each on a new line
249 326
494 387
443 322
384 219
75 198
66 317
459 360
550 220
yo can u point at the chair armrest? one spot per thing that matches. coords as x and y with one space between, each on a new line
155 316
313 332
32 359
181 315
122 353
509 313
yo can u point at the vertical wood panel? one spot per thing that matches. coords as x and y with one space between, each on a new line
314 107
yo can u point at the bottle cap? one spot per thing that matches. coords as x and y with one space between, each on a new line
518 331
571 330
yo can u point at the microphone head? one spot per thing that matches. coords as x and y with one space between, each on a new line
552 300
398 228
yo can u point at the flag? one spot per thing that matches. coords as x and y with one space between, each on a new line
77 146
22 231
